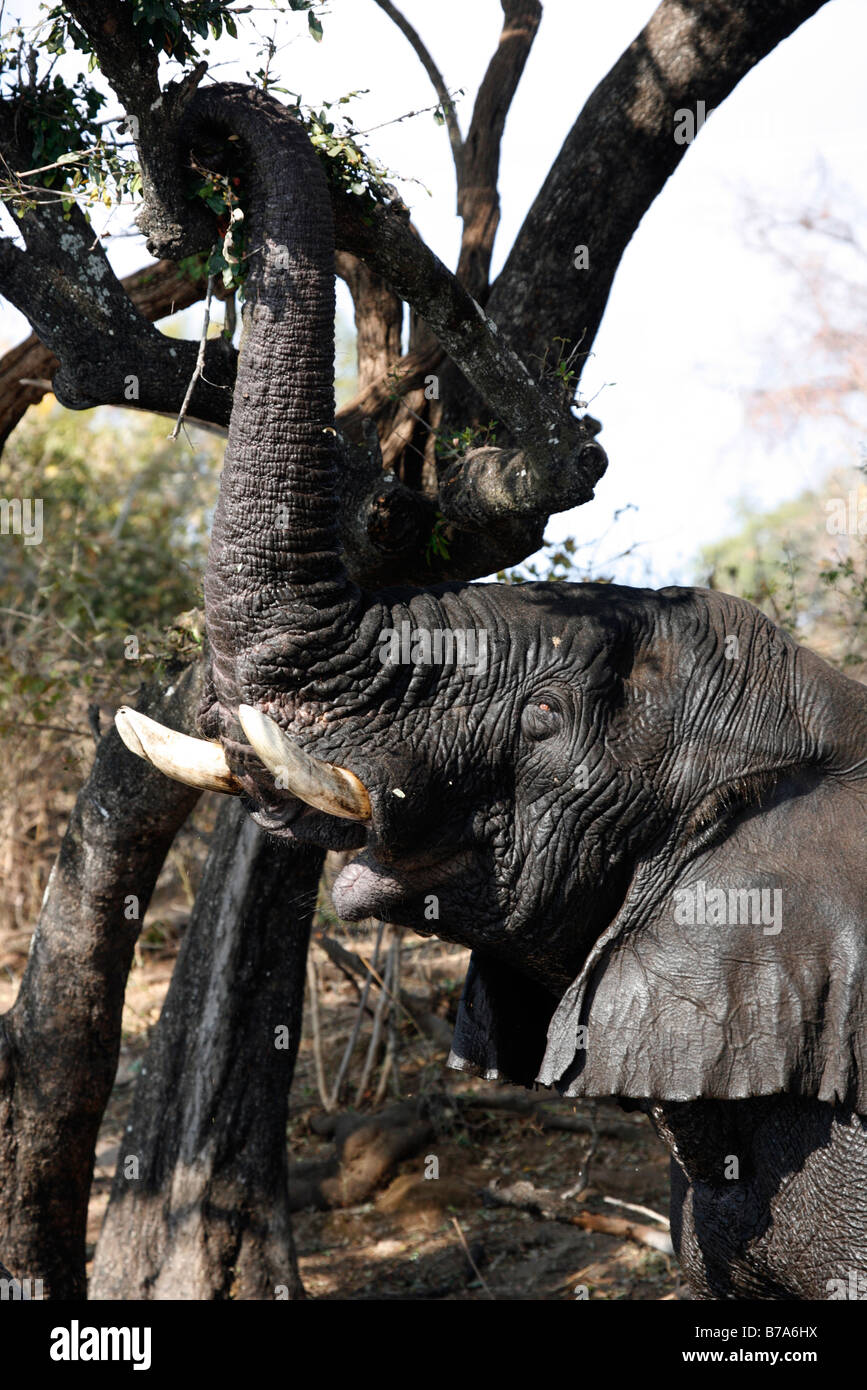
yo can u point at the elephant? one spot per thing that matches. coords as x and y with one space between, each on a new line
644 811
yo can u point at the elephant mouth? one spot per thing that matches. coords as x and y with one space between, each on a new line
407 893
293 820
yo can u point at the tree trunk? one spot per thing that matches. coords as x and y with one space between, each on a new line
59 1042
199 1207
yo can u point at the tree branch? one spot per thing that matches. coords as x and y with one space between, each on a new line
436 78
558 463
378 319
478 198
617 157
157 291
171 221
109 354
548 1205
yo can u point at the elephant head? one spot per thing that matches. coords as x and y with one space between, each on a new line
547 773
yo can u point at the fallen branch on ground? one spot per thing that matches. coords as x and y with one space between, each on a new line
549 1206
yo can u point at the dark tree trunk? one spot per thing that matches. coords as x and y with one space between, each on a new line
199 1207
59 1042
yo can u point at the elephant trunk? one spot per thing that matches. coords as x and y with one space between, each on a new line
276 591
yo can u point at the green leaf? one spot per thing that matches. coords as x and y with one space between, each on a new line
314 26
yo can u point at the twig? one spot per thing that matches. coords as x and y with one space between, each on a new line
375 1035
313 989
353 1039
650 1236
393 1057
642 1211
546 1114
229 318
390 1055
63 162
200 359
382 1084
548 1205
436 77
348 960
473 1266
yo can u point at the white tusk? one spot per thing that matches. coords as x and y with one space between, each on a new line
195 761
333 789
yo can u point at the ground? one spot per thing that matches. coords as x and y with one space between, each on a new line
414 1235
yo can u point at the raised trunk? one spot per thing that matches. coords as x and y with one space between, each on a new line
275 576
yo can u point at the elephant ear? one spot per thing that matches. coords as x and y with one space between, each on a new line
501 1024
712 993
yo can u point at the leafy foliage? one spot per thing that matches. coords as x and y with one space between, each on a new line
125 515
82 158
454 446
72 152
169 28
810 581
437 545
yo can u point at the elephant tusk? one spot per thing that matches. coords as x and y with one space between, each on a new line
195 761
328 788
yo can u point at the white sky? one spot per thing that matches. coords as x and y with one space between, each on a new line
695 316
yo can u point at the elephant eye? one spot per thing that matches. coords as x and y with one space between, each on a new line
541 718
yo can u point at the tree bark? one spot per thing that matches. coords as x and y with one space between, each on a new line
618 157
478 192
59 1042
156 291
378 319
199 1207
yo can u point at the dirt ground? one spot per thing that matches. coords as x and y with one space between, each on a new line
416 1235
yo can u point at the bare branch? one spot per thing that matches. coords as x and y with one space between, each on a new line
405 376
436 77
478 198
378 319
26 371
558 463
547 1205
109 353
200 360
617 158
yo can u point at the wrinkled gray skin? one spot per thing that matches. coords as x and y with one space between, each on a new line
618 747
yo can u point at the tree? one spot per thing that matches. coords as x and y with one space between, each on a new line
454 455
804 562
